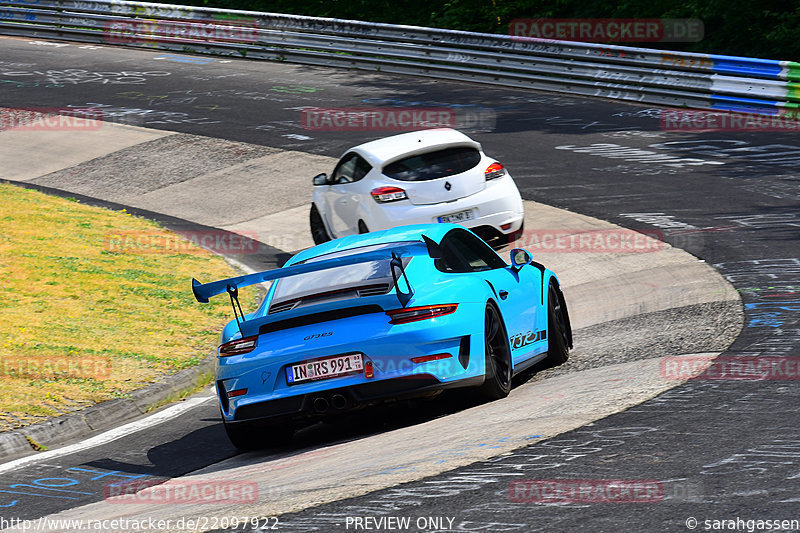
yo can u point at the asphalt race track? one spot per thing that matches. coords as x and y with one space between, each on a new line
713 449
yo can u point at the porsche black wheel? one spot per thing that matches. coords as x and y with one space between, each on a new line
557 329
497 383
318 231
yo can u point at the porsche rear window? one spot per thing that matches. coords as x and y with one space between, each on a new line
434 165
337 279
331 279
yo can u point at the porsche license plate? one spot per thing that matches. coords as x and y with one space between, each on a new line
328 367
455 218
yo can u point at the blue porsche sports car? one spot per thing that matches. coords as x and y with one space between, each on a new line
400 313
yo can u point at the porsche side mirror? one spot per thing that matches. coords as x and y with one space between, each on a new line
519 258
321 179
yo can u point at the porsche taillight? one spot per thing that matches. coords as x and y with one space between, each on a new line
495 170
413 314
239 346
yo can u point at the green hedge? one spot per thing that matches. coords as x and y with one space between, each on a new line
765 28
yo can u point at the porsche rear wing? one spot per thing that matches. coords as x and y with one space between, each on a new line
204 291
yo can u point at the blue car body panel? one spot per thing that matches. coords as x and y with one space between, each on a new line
335 324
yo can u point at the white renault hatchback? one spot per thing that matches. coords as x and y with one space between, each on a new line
421 177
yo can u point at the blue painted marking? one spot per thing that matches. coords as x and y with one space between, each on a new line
47 488
390 470
116 473
37 494
792 305
69 482
770 320
53 485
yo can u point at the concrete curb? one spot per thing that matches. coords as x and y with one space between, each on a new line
102 416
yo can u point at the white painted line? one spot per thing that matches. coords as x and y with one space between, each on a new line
110 435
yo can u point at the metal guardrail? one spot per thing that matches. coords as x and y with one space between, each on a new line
669 78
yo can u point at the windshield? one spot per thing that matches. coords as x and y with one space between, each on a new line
434 165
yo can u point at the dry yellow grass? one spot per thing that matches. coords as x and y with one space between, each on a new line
82 323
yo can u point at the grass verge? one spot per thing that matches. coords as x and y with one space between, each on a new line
82 321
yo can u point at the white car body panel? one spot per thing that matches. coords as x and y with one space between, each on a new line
492 203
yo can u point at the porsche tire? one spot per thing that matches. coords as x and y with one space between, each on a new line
557 335
497 382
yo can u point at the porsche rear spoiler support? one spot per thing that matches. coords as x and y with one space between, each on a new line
204 291
394 265
233 292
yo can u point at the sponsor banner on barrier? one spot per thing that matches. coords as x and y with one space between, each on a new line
98 368
615 240
178 491
181 242
51 119
131 31
377 118
586 491
709 120
730 368
611 30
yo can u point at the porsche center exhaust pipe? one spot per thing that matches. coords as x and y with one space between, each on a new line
320 404
339 401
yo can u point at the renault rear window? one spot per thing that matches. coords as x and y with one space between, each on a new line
434 165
